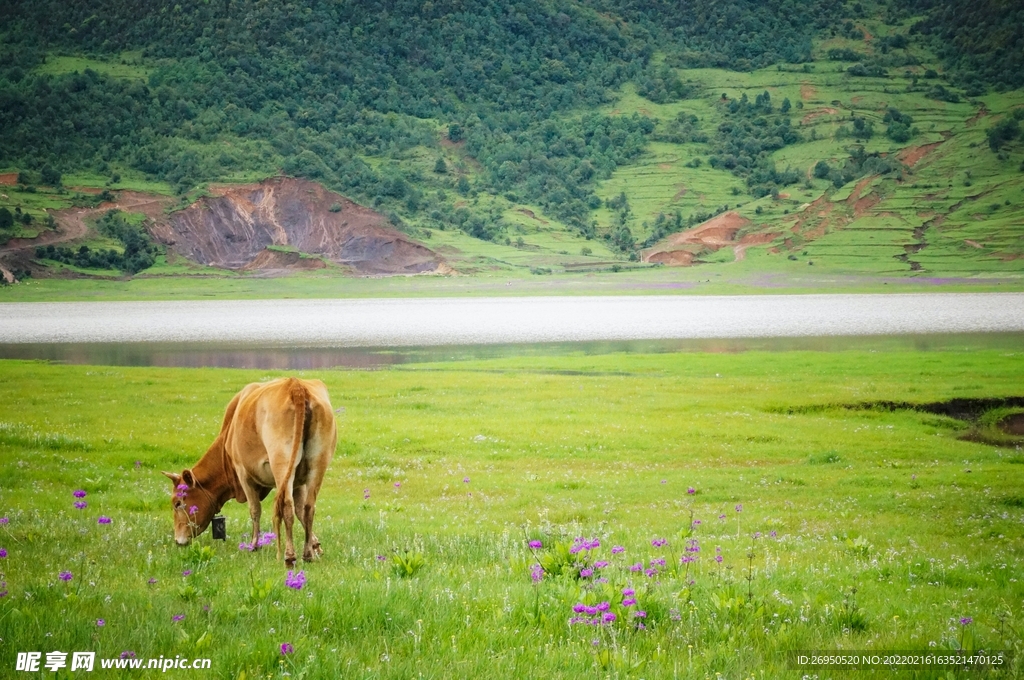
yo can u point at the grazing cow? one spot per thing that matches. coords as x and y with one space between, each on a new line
279 434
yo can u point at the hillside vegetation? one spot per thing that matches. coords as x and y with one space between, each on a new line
876 139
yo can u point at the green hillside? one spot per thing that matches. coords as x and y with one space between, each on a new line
867 139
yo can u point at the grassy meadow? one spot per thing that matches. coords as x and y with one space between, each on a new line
795 515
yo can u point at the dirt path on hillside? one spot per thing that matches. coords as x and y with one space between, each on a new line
913 154
71 223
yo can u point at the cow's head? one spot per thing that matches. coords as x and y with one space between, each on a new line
193 507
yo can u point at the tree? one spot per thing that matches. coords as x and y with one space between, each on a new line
786 106
440 167
455 132
6 219
49 176
821 170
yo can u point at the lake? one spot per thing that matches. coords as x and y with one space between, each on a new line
368 333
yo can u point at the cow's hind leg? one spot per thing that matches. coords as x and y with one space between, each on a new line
306 511
252 497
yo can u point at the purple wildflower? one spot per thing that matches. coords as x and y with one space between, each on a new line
398 484
718 558
628 591
691 490
193 509
658 562
600 564
366 494
658 542
739 507
151 581
664 481
629 602
640 614
138 464
266 539
686 559
3 553
186 572
65 576
757 534
774 534
103 519
586 573
245 546
80 505
295 581
608 617
535 545
617 549
639 566
178 617
4 520
966 620
100 623
128 654
182 487
79 494
465 480
650 573
381 558
286 648
579 607
722 516
603 606
696 522
536 573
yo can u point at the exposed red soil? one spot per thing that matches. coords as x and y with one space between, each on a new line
855 194
233 226
672 258
973 120
867 36
740 249
807 91
865 204
531 215
718 232
913 154
270 260
783 195
819 113
9 178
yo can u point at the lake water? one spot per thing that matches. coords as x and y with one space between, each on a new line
291 334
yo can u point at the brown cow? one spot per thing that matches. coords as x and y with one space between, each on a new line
279 434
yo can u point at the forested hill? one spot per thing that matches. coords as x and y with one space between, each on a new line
192 91
315 86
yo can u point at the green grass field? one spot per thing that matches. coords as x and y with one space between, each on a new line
839 525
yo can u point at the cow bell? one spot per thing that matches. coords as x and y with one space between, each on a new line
219 528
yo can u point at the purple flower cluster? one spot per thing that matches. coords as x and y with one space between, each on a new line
266 539
659 542
966 620
536 573
181 489
4 520
581 544
3 553
691 490
103 519
286 648
128 654
592 615
100 623
693 546
535 545
296 581
3 588
65 576
80 505
366 494
618 549
79 494
178 617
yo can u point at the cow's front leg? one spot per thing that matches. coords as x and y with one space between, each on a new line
252 497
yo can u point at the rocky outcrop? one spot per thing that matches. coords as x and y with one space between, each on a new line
233 226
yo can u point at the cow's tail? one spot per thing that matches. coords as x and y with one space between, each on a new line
300 403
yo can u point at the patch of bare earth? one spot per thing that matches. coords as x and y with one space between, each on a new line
8 178
807 91
913 154
818 113
529 213
682 249
973 120
232 228
974 244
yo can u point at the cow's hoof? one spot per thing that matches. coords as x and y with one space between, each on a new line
289 561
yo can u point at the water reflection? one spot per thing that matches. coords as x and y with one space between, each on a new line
285 357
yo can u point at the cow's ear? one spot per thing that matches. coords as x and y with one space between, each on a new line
173 476
187 477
